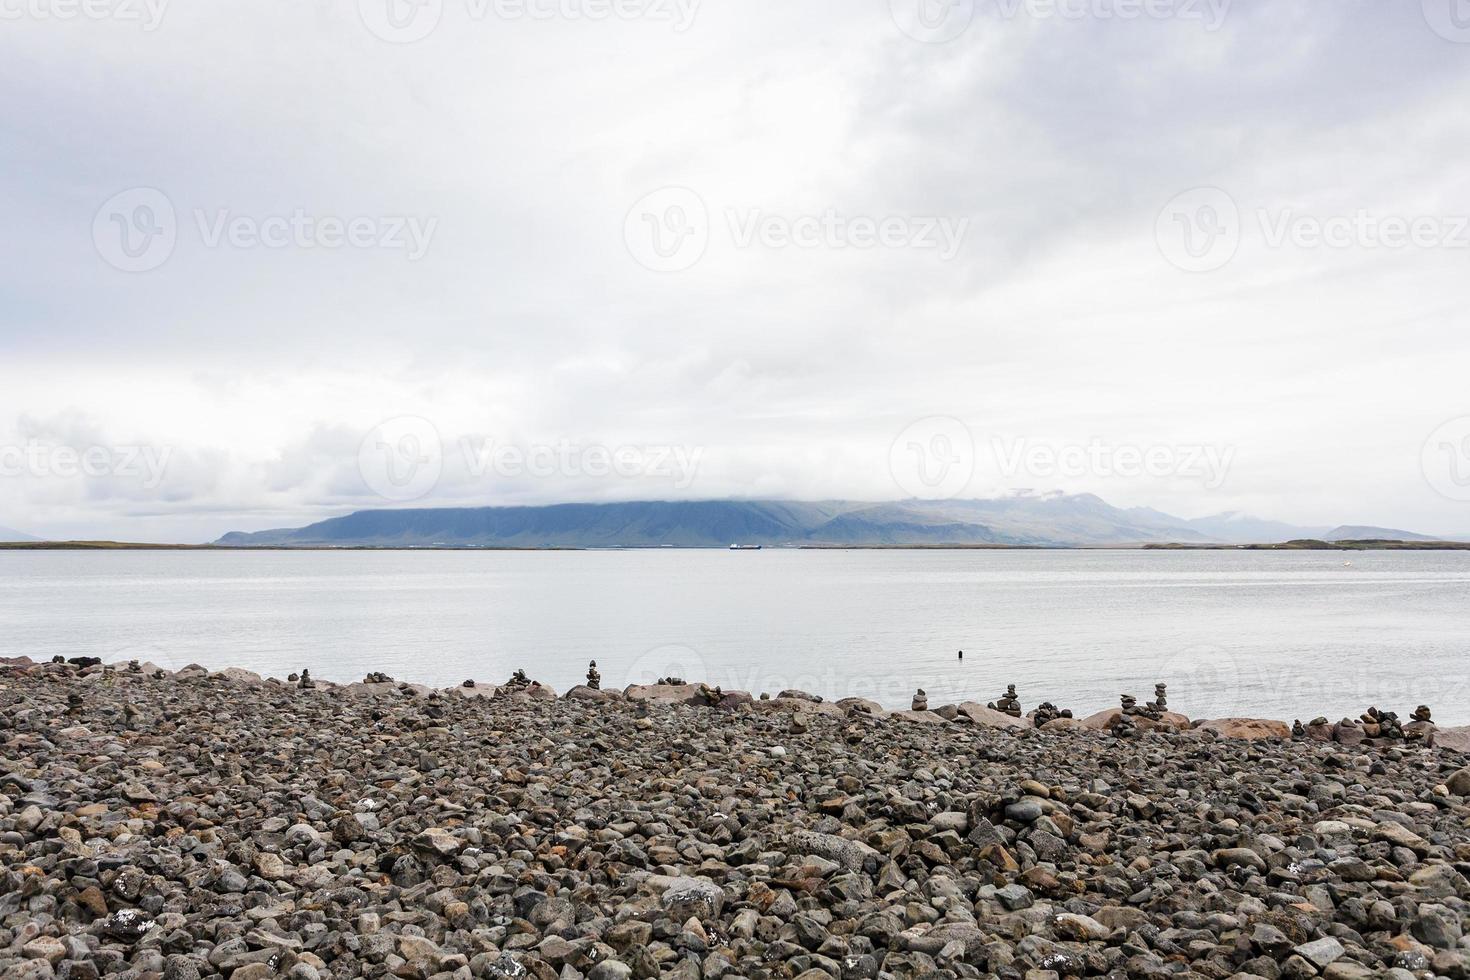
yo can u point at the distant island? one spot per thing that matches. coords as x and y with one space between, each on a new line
1018 521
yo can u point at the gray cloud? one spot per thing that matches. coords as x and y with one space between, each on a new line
261 370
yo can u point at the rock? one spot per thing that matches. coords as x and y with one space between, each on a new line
1459 783
979 714
1322 953
44 948
686 898
850 854
1080 928
1247 728
438 841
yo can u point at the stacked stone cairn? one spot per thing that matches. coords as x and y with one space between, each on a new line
594 679
1048 712
1007 703
921 701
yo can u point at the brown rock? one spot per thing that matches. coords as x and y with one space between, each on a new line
1250 729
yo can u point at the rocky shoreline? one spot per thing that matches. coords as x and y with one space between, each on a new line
196 824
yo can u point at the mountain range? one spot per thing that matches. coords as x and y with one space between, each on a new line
1035 520
10 535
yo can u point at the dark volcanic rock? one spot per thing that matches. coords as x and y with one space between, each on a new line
220 825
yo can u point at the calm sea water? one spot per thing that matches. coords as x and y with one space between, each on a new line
1281 635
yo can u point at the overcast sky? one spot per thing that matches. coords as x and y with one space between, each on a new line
274 261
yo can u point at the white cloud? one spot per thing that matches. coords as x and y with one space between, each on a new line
528 321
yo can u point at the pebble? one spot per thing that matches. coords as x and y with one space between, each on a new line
196 825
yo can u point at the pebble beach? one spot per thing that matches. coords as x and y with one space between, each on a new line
198 824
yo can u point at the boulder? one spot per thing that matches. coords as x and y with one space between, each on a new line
1454 739
663 693
985 717
922 717
239 676
1250 729
799 704
1104 721
584 693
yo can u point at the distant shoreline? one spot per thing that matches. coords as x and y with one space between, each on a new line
1298 545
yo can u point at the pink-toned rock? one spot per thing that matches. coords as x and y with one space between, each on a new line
797 704
1247 728
584 693
989 717
922 717
666 693
1104 721
1454 739
364 690
1065 725
533 692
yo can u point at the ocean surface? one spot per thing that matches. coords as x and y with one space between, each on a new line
1283 635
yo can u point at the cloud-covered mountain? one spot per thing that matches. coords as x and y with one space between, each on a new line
1039 520
10 535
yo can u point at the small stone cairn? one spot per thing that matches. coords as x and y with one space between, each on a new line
1047 712
377 677
920 702
1152 710
594 679
306 683
1007 703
